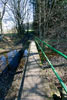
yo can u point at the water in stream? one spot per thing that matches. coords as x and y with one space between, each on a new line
4 60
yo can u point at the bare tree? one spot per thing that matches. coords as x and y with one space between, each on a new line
4 3
43 13
19 10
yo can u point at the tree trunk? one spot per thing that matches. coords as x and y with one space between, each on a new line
1 28
40 31
0 23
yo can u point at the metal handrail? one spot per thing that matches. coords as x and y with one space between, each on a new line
57 75
52 48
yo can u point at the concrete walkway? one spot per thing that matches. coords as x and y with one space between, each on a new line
33 86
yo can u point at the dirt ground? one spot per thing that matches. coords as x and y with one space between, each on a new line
60 64
9 42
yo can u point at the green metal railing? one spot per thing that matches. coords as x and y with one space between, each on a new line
57 75
52 48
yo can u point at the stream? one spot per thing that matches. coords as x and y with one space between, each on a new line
11 59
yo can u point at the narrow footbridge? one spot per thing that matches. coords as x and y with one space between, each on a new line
32 85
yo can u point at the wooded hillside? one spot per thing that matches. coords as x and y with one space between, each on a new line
50 18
